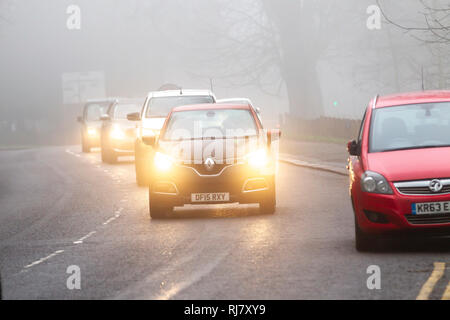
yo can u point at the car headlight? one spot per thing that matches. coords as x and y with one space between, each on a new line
117 133
163 162
91 131
258 159
146 132
373 182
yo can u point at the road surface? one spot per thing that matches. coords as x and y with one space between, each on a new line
61 208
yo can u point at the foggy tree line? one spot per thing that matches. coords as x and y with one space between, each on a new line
318 56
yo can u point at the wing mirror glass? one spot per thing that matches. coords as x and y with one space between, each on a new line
149 140
135 116
353 148
273 135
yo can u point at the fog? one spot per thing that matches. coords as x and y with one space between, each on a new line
294 58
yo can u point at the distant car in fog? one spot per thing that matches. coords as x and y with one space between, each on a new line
399 167
91 122
151 119
228 160
118 134
242 101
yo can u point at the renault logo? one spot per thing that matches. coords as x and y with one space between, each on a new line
209 164
435 186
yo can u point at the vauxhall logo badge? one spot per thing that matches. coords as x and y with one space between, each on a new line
209 164
435 186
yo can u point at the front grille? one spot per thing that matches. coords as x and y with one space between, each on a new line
428 219
422 187
201 169
422 190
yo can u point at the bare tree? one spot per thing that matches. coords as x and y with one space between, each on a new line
264 43
432 29
434 26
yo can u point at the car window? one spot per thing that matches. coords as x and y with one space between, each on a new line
121 110
161 106
217 123
410 127
94 111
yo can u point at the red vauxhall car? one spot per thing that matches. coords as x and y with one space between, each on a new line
400 167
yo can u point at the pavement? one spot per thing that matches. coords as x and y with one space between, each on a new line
61 210
330 157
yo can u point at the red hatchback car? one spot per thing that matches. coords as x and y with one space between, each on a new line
400 167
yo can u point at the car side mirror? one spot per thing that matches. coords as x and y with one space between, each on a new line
273 135
353 148
80 119
135 116
105 117
149 140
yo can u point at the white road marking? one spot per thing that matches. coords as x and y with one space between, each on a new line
194 278
111 220
43 259
80 241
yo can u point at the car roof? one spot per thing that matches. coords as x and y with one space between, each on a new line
129 100
234 100
413 98
210 106
179 93
101 100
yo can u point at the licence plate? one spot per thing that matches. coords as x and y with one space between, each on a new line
210 197
431 208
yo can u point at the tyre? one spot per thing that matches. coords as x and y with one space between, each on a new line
158 211
269 203
363 241
85 146
108 155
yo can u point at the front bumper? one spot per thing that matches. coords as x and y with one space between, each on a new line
234 179
92 140
124 146
397 212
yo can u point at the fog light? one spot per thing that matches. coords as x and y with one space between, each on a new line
255 184
166 187
376 217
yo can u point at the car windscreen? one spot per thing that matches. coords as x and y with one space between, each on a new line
161 106
121 110
216 123
410 127
95 110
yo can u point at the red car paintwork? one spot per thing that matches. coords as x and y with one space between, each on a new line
395 166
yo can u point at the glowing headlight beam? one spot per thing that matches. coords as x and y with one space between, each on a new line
163 162
148 132
258 159
117 134
92 132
